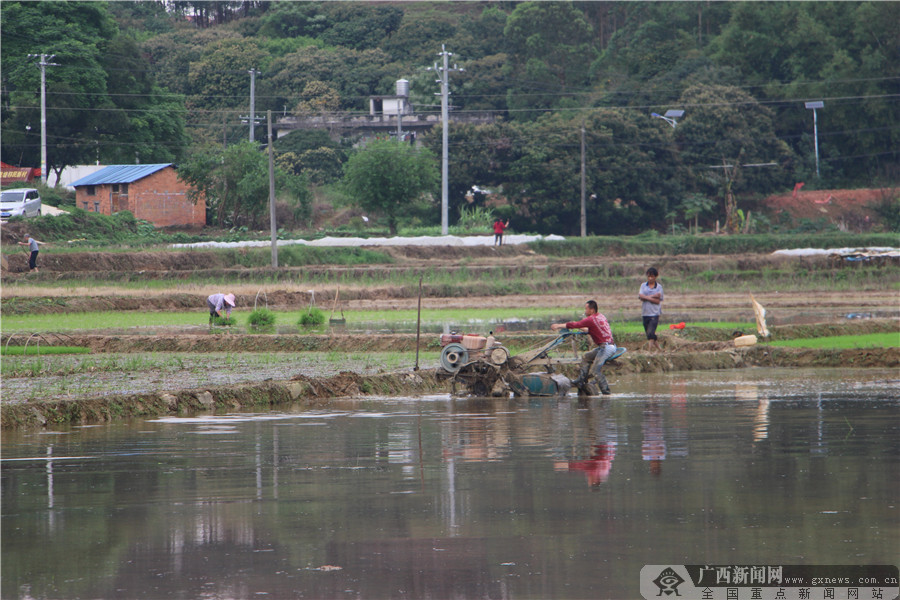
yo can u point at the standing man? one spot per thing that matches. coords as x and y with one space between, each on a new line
33 246
651 296
219 302
499 226
592 361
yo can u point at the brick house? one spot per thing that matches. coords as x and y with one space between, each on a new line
151 192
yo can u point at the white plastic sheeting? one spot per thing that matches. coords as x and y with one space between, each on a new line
443 240
872 251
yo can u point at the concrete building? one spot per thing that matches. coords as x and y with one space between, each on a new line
387 115
151 192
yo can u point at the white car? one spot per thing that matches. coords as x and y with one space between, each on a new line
20 202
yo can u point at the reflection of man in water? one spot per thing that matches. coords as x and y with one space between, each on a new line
653 447
598 466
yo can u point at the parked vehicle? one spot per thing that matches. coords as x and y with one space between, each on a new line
20 202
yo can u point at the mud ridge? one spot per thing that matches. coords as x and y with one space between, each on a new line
301 390
308 392
697 339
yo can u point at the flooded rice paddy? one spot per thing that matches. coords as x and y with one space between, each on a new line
53 377
439 498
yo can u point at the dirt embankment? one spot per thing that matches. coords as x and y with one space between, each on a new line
312 392
517 274
697 339
851 208
172 264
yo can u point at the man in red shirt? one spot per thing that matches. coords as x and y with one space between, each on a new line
592 361
499 226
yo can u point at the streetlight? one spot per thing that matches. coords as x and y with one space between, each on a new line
670 117
813 106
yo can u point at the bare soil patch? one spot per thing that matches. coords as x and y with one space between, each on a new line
852 208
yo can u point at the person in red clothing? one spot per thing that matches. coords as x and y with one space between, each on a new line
592 361
499 226
597 467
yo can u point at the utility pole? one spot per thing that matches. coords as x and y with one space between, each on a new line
44 64
272 192
252 118
583 190
445 117
813 106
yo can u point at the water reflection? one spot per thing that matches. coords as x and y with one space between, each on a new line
653 448
440 497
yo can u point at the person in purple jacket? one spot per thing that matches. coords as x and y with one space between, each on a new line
217 303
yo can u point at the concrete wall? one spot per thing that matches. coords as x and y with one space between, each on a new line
72 174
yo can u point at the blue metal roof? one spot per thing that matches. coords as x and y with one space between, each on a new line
120 174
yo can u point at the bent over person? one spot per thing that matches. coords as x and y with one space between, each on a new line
33 246
219 302
601 335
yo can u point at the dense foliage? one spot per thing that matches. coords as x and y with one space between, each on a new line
152 79
392 179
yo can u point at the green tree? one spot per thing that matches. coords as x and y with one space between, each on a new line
418 39
104 104
220 77
312 152
725 125
631 173
847 53
235 184
550 46
390 178
478 155
146 123
355 75
358 25
76 35
693 205
318 98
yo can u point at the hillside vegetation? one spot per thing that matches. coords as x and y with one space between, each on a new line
554 85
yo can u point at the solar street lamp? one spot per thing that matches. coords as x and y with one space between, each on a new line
670 117
813 106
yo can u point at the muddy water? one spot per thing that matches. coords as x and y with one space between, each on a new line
429 497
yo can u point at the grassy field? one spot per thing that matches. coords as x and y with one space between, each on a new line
162 363
37 349
476 319
489 280
871 340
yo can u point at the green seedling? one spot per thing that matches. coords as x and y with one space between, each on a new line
36 350
261 320
869 340
312 317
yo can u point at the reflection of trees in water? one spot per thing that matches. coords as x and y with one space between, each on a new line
433 497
